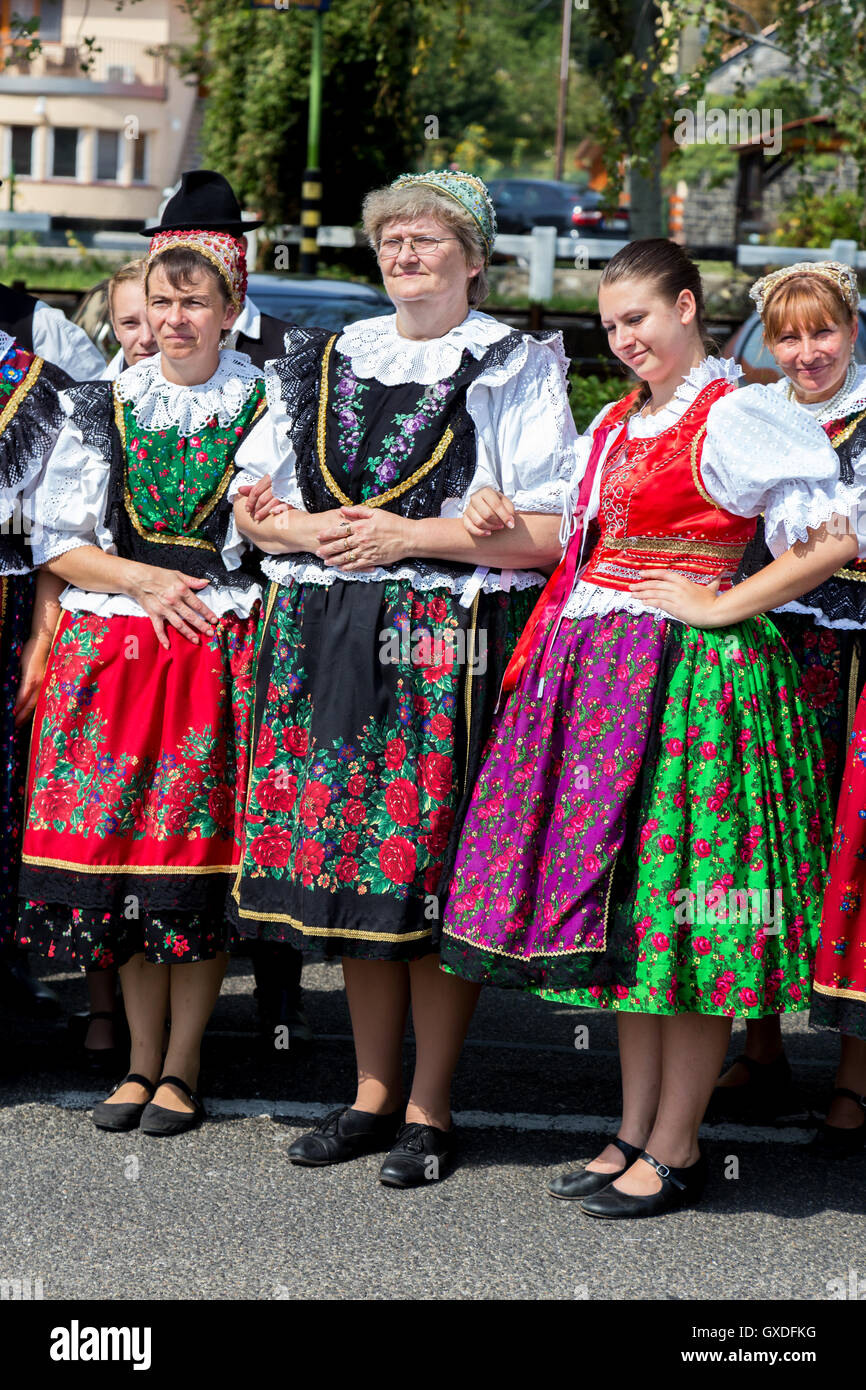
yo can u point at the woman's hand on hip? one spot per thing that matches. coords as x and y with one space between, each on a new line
365 537
168 596
695 604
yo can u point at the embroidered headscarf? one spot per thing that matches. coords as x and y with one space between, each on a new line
226 253
467 190
841 276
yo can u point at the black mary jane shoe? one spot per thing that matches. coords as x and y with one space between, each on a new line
832 1141
572 1187
125 1115
420 1154
344 1134
681 1187
159 1120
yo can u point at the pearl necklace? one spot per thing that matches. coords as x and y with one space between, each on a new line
827 408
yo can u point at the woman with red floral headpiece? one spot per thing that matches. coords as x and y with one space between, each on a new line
140 733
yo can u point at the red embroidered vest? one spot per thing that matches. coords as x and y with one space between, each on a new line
654 511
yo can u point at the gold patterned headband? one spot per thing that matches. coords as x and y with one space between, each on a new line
226 253
842 276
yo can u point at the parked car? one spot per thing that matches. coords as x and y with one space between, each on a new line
747 347
574 209
310 301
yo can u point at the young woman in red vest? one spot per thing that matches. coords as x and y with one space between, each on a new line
648 833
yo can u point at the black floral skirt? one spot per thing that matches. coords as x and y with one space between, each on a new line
373 703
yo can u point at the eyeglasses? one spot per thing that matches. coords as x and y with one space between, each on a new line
390 248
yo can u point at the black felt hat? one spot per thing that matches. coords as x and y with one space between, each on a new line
204 202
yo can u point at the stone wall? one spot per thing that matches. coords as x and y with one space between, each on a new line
708 213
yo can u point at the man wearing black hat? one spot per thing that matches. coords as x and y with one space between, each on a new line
205 202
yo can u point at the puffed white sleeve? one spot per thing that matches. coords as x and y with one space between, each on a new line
268 448
67 499
764 453
524 429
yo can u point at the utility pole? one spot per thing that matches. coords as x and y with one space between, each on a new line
311 186
562 109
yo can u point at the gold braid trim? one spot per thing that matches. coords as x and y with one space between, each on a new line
380 499
10 409
695 472
660 545
846 433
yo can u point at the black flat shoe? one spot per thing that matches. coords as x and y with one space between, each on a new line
159 1120
102 1059
24 994
767 1093
570 1187
832 1141
343 1134
421 1154
125 1115
681 1187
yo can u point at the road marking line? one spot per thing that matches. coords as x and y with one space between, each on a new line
254 1108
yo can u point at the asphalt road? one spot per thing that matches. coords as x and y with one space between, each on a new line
221 1214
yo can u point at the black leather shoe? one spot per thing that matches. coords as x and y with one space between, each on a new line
344 1134
421 1154
24 994
768 1092
126 1115
832 1141
104 1060
160 1120
570 1187
681 1187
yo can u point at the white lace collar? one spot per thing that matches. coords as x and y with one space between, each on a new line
377 350
6 342
158 404
710 369
853 401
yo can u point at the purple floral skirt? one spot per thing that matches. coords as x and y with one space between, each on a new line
652 833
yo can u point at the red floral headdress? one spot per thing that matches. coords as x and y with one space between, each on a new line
226 253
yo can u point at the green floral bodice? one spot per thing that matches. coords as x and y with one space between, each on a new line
174 481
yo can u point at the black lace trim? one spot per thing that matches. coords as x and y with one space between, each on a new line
839 600
296 379
28 439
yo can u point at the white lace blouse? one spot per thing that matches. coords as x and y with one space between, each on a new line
761 453
69 497
524 430
840 407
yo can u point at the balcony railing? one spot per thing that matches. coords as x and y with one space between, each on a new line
115 62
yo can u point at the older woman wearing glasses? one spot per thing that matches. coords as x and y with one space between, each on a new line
387 629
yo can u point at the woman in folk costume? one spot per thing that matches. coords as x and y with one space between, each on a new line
30 420
810 316
648 832
386 636
140 733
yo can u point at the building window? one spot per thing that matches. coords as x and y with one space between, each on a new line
21 150
48 12
64 164
139 160
107 153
